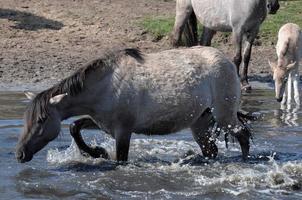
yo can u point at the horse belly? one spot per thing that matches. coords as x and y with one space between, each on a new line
162 127
210 16
161 119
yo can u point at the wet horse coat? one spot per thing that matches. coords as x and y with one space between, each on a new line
125 92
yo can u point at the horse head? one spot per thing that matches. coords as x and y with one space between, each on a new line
273 6
42 124
280 76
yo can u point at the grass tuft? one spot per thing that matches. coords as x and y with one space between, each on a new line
290 11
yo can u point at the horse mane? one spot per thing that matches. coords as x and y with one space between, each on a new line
74 84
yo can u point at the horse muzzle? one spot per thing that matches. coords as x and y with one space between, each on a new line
272 9
279 99
23 156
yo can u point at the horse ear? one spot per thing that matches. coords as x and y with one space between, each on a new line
29 95
291 66
57 99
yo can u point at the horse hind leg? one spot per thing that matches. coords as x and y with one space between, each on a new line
246 59
237 39
230 122
206 37
202 134
183 11
75 131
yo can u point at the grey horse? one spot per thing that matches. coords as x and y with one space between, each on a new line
241 17
126 92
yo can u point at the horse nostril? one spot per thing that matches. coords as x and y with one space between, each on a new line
20 155
279 99
269 6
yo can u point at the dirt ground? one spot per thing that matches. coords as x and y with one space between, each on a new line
44 41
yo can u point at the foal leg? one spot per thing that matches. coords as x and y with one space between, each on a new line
284 99
75 131
202 135
206 37
289 90
246 59
296 88
183 11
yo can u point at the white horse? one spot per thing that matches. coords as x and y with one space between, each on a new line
242 17
286 70
126 92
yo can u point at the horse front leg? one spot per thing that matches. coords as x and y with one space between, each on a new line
289 90
244 140
296 88
75 131
122 140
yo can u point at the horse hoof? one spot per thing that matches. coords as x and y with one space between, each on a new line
210 151
99 152
246 87
96 152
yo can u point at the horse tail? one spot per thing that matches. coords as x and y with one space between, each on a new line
190 31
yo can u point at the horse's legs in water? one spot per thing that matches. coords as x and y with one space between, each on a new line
122 140
206 37
75 131
296 87
202 135
237 39
225 114
183 11
246 59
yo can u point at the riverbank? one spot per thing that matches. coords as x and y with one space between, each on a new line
44 41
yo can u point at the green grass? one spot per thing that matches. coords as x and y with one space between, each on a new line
290 11
158 26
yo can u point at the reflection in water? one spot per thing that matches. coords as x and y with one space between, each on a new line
288 115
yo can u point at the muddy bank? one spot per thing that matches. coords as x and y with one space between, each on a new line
45 41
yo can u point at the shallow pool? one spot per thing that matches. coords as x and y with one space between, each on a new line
159 167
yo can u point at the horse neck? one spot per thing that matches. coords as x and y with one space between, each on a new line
72 106
86 101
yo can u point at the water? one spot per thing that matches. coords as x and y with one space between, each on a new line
158 167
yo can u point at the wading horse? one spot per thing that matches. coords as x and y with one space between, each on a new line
241 17
125 92
286 70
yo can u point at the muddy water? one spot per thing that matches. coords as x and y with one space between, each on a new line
158 167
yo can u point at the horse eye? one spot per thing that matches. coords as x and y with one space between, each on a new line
40 132
41 120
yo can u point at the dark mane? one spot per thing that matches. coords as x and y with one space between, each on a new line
74 84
